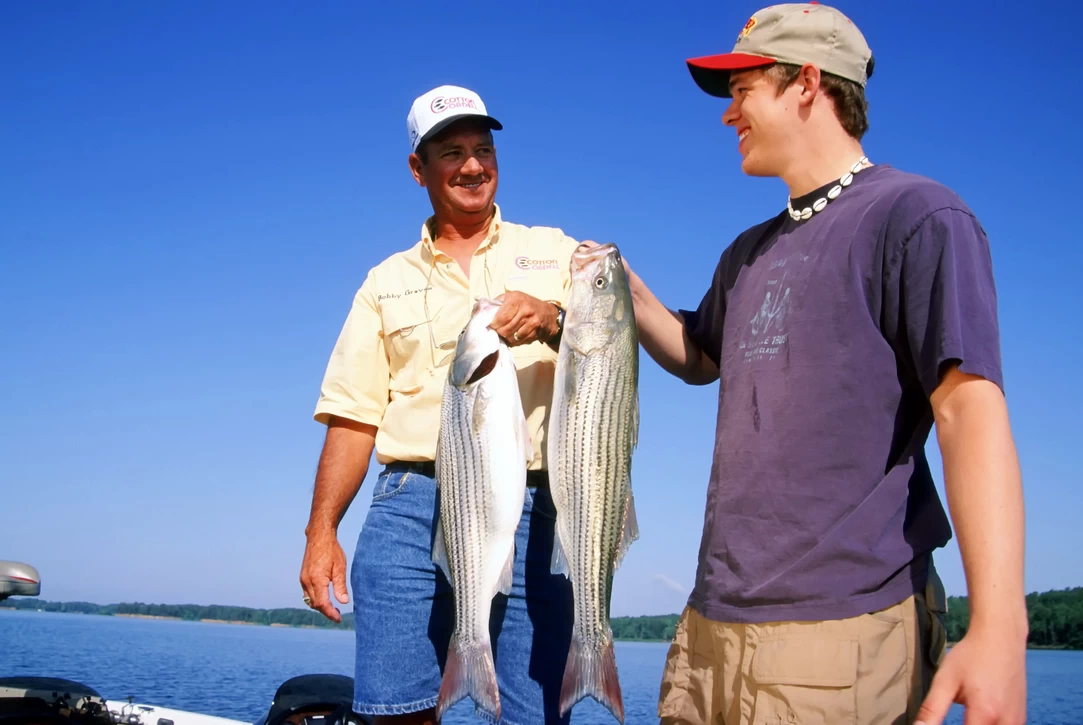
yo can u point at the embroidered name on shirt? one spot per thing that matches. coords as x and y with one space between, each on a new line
536 264
404 293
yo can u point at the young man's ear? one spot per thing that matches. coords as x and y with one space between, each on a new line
808 78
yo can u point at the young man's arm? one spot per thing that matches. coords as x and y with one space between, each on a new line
986 671
941 311
664 336
664 333
343 464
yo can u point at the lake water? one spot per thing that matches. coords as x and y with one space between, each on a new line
232 671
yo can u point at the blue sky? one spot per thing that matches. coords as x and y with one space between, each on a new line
193 191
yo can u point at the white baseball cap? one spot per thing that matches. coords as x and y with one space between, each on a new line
436 109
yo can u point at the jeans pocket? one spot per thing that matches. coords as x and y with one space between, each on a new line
390 484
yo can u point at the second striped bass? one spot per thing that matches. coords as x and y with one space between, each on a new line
593 428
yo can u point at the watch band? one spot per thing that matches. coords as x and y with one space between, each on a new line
554 342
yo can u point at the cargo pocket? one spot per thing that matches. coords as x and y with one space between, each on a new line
805 679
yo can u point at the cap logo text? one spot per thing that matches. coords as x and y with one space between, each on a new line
441 104
748 27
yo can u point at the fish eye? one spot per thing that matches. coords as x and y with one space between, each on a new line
599 282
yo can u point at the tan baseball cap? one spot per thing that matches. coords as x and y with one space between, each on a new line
795 33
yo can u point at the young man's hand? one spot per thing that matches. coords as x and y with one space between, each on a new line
986 673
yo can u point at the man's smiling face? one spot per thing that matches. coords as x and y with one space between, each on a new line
458 167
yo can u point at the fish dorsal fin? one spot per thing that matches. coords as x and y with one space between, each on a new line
504 585
629 531
560 560
439 550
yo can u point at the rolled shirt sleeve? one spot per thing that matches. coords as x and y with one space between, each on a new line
356 381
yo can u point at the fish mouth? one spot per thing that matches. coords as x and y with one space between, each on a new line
584 256
487 365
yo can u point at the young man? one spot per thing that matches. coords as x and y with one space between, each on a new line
382 389
840 331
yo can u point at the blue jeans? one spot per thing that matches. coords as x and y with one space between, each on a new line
404 609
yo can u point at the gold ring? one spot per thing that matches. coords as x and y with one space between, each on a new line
516 336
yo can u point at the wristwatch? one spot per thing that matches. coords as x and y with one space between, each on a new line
554 341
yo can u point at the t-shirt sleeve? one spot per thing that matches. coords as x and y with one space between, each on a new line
941 297
355 383
704 324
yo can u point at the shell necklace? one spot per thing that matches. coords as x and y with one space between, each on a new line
832 194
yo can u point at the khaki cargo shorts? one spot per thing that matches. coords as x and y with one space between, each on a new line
874 668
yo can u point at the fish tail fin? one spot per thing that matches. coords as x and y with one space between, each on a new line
469 671
592 671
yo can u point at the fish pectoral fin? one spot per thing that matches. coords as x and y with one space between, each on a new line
560 560
439 550
629 531
504 585
571 377
481 409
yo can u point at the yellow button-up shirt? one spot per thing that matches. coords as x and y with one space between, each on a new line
391 358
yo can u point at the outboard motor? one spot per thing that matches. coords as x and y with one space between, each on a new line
18 580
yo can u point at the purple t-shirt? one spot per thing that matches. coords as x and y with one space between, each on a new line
830 334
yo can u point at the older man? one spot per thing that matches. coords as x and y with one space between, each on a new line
382 390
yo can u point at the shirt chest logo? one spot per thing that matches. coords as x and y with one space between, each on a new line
535 265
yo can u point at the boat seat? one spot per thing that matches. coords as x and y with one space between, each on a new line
316 699
50 701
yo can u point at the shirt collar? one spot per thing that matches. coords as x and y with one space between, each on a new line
491 237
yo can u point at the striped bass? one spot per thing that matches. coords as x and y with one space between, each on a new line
593 428
483 448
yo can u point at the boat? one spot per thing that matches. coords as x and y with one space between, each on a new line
310 699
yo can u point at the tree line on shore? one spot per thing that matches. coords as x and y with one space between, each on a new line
1056 617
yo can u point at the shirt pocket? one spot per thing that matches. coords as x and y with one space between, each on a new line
807 679
408 341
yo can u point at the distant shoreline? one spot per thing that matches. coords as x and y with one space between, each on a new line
1055 618
1030 646
166 618
56 608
